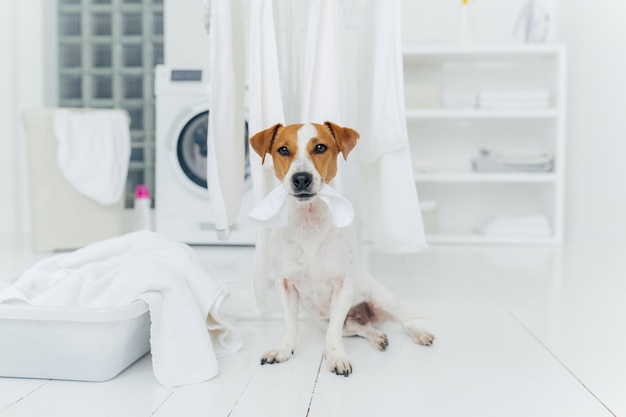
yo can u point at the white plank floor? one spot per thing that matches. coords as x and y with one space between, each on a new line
520 332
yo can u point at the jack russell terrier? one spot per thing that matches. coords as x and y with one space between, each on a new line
314 260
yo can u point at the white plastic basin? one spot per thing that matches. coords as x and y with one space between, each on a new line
84 344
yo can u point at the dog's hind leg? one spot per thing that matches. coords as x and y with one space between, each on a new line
377 338
385 306
283 350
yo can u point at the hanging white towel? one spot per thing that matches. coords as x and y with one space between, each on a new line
272 211
382 108
264 92
389 202
184 298
265 109
94 151
321 89
225 145
323 69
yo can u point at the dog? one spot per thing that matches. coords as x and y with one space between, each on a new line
313 259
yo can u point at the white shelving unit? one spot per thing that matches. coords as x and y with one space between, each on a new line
447 130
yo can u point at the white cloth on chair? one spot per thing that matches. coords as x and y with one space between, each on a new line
94 151
184 297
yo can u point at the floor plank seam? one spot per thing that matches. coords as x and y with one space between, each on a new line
163 402
319 368
24 396
556 358
499 302
243 391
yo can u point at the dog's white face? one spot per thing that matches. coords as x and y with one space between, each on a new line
305 155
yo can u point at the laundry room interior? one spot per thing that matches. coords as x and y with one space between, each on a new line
140 228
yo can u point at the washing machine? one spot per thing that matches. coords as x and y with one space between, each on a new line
182 207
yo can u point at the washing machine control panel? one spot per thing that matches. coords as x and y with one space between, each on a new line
177 82
186 75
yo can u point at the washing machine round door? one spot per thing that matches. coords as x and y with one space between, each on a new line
191 149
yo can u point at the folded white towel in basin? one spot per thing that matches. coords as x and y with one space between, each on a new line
184 297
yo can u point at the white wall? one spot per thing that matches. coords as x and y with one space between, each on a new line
492 21
186 42
596 193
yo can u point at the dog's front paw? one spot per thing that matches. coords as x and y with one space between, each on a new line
339 364
276 355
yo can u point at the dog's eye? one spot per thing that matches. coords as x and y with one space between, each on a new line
320 148
283 151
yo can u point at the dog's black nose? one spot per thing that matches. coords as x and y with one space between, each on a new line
301 180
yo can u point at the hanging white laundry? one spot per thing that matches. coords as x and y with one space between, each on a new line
321 89
389 203
225 147
265 109
94 151
322 79
381 90
264 92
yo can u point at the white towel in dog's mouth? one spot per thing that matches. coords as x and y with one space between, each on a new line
272 210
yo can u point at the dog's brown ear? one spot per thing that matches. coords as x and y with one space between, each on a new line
262 141
346 138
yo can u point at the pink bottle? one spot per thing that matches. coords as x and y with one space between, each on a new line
142 211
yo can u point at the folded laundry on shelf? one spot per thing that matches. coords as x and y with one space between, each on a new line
517 226
513 160
513 99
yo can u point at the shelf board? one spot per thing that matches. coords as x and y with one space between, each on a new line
439 114
496 177
480 51
473 239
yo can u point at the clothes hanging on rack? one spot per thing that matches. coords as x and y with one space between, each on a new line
321 86
225 167
389 200
265 109
331 74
